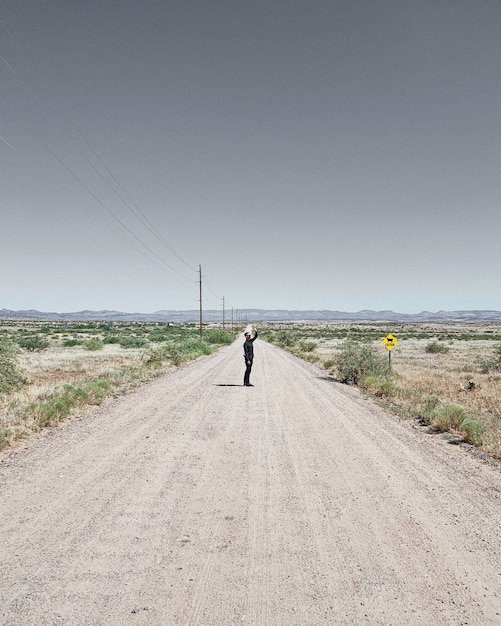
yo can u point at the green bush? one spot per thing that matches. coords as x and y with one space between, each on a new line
430 405
222 337
96 390
58 404
52 410
437 348
33 343
93 345
448 417
285 338
157 337
132 342
307 346
10 376
356 361
5 435
380 387
177 352
453 417
473 431
112 339
494 364
70 343
154 358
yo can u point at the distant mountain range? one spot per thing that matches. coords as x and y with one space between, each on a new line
259 315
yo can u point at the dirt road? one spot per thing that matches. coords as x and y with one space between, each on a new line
196 501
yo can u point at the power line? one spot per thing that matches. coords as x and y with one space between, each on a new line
89 191
126 199
143 219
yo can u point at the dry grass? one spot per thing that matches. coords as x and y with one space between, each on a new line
62 378
444 376
419 374
58 366
50 370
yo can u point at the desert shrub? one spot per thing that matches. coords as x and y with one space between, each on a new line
268 335
154 357
33 343
310 356
453 417
493 364
157 337
70 343
95 391
5 435
448 417
177 352
430 405
435 347
218 337
58 404
307 346
111 339
132 342
10 376
328 363
51 410
473 431
380 387
286 339
356 361
93 345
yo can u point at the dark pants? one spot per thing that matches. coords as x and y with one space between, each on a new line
247 372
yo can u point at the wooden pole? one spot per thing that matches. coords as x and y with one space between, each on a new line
200 286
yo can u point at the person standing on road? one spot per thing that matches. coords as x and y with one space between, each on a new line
249 356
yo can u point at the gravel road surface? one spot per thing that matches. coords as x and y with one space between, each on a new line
197 501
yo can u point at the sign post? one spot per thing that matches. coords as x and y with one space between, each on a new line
389 343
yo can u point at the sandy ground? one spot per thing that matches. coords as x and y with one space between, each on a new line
197 501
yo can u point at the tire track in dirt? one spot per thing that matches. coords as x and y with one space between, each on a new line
380 488
196 501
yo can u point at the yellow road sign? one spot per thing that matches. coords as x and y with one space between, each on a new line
390 342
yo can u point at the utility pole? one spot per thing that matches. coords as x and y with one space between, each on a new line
232 319
223 312
200 286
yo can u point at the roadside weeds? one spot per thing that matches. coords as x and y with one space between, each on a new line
445 377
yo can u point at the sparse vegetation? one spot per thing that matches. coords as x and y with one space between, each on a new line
66 366
356 361
32 343
493 363
437 348
93 344
10 376
218 336
70 343
421 386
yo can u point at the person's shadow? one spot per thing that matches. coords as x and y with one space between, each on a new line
225 385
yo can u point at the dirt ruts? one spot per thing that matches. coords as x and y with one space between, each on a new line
197 501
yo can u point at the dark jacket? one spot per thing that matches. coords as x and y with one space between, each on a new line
249 348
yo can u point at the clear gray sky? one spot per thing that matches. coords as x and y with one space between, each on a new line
323 154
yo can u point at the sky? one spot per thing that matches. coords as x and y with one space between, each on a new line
324 154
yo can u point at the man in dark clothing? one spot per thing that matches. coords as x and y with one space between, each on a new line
249 356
